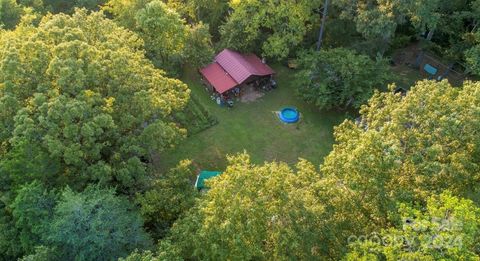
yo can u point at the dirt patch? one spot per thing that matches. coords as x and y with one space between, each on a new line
406 56
250 94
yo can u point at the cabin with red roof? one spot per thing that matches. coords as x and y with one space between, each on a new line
231 69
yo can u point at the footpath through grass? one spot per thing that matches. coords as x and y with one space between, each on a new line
254 127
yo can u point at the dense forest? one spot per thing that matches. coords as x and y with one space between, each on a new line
94 94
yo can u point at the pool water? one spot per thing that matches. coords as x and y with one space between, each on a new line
289 115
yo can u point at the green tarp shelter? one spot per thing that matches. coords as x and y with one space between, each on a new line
204 175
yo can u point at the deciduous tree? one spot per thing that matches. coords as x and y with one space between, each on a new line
210 12
164 32
10 13
169 40
96 225
403 149
379 19
472 56
339 77
171 195
278 27
265 212
79 89
447 229
32 212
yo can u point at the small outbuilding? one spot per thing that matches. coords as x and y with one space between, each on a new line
231 69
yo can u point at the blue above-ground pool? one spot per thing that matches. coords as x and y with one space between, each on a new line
289 115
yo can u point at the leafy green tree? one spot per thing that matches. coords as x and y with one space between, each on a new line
10 246
167 252
169 40
164 33
339 78
171 195
263 212
33 211
79 89
25 164
124 12
10 13
380 19
448 229
62 6
89 4
278 27
402 149
449 26
211 12
25 213
137 256
198 48
472 56
42 253
96 225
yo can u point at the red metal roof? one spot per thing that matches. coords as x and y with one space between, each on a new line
260 68
218 77
231 68
240 67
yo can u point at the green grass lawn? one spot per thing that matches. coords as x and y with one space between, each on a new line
254 127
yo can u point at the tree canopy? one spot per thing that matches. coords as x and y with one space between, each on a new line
10 13
335 78
170 196
263 212
80 104
79 89
380 19
275 26
403 149
211 12
447 229
94 224
472 55
118 228
33 211
169 40
91 109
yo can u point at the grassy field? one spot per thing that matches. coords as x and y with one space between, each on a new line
254 127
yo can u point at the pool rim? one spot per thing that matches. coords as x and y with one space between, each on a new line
289 119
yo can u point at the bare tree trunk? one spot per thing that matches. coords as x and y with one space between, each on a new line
475 24
430 34
322 27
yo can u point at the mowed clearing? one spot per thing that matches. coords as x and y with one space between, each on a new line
253 127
